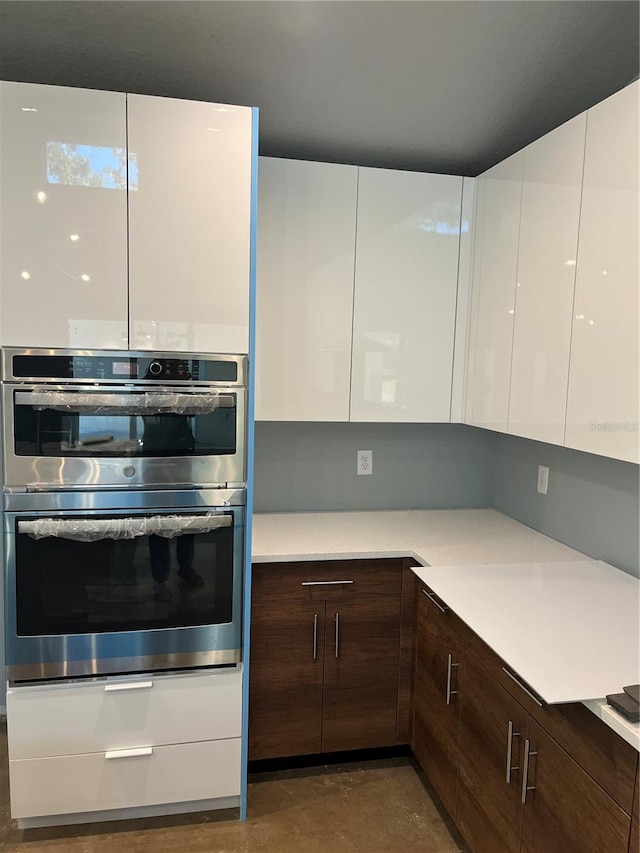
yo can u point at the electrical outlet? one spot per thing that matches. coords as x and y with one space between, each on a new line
543 479
365 462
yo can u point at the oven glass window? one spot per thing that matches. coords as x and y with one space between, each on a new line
65 586
48 432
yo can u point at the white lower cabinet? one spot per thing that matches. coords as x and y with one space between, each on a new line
72 784
121 743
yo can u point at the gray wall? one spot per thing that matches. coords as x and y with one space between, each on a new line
312 466
592 504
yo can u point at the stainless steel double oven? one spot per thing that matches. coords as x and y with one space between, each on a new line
124 496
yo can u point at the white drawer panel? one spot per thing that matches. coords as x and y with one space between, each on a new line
69 719
84 783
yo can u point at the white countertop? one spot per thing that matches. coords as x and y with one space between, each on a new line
568 625
442 537
570 630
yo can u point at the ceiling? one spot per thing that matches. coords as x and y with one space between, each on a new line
432 85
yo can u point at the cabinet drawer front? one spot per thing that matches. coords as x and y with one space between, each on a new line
605 756
69 719
313 580
438 610
84 783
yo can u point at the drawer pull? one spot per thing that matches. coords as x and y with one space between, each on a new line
128 685
522 687
450 665
337 632
525 771
128 753
315 636
510 736
323 583
433 600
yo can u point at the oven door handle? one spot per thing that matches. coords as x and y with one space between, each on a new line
123 527
132 403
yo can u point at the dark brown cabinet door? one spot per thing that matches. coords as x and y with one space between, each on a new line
566 811
489 811
285 698
438 691
362 652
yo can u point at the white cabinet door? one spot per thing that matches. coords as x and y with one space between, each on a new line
63 215
602 409
189 225
407 244
493 295
549 218
304 299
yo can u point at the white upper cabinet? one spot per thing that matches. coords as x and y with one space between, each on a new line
189 225
304 299
499 193
549 219
602 409
405 296
63 217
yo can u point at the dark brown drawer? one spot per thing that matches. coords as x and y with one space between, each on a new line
603 754
332 580
438 609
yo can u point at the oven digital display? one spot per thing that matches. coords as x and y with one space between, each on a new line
125 368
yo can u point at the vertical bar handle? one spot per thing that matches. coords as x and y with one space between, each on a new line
510 736
337 620
315 636
525 771
450 665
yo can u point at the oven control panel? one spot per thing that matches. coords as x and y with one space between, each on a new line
124 367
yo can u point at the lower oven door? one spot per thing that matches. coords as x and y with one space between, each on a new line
120 591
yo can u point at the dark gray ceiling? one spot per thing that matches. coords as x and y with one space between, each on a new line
433 85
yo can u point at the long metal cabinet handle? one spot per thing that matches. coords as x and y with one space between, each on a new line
128 753
323 583
315 636
525 771
337 633
433 600
127 685
510 736
450 665
522 687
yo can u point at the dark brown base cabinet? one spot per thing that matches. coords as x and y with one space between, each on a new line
516 777
325 656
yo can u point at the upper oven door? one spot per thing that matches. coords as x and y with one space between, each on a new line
78 435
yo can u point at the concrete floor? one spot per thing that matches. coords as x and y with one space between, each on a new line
370 807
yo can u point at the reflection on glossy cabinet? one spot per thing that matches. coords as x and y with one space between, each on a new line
549 219
437 702
189 225
63 208
602 409
304 292
493 298
405 296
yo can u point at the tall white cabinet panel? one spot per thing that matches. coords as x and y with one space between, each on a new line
304 299
63 217
493 297
405 296
189 225
602 409
549 218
